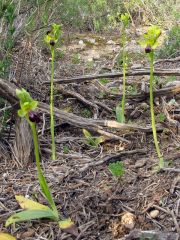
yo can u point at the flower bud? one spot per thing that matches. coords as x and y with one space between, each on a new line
148 49
34 117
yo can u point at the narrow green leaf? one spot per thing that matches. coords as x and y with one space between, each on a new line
29 204
87 134
47 192
30 215
99 140
119 114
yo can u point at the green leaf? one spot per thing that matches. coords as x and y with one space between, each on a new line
99 140
162 117
117 169
6 236
29 204
93 141
47 193
67 225
29 215
119 115
87 134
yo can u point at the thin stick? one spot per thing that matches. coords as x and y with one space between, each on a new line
80 79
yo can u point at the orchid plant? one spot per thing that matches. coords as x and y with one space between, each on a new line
51 39
35 210
121 109
150 42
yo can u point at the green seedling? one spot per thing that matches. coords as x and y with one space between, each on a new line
125 22
150 43
86 113
32 209
117 169
51 39
92 141
161 117
76 58
66 149
104 81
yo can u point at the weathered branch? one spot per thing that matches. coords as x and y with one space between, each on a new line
168 91
80 79
7 91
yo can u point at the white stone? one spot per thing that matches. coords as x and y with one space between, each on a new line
154 213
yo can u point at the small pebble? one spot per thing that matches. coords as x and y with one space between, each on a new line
81 42
154 213
140 163
128 220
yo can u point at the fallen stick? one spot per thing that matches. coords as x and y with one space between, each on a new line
114 157
80 79
7 91
168 91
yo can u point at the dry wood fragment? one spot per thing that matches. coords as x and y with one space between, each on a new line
151 234
177 59
168 91
142 72
82 99
7 91
23 143
111 158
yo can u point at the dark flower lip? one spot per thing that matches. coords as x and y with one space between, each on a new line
34 117
148 49
52 43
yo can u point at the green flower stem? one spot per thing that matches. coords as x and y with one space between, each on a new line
124 75
42 180
153 123
52 106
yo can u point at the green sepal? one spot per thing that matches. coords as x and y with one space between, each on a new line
21 113
151 37
23 95
53 35
26 102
